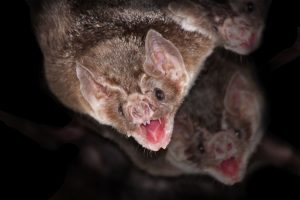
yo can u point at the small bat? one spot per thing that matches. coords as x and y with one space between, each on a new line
124 63
235 24
221 123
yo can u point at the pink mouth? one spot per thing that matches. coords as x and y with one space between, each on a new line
229 167
250 43
154 131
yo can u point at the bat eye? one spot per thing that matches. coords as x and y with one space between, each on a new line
160 95
200 147
250 7
120 109
238 133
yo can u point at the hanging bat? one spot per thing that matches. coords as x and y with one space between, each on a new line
123 63
235 24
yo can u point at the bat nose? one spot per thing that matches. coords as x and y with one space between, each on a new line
140 111
222 145
222 148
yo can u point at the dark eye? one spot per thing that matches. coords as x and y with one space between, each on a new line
238 133
250 7
200 147
120 109
160 95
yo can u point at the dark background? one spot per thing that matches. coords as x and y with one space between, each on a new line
34 172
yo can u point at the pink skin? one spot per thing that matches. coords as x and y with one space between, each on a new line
224 148
230 168
154 131
239 36
250 43
140 110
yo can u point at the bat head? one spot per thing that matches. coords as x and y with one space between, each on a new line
135 86
242 30
235 24
218 142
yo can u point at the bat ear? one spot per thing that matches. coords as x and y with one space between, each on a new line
162 58
92 90
240 99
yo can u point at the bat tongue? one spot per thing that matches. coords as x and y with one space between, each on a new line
155 131
229 167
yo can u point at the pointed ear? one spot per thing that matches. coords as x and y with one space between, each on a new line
240 99
162 58
92 91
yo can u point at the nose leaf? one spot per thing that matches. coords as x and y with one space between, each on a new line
140 112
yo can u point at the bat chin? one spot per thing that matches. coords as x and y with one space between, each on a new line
242 48
154 134
229 171
245 46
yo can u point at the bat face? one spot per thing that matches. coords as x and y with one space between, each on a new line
217 138
235 24
242 32
135 91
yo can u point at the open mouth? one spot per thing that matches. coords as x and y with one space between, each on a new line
154 130
250 43
229 167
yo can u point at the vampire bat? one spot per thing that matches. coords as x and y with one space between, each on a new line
221 123
216 138
123 63
236 24
217 128
223 110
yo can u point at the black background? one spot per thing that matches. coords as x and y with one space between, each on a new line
33 172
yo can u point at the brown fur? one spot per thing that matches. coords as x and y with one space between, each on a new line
235 24
200 119
108 39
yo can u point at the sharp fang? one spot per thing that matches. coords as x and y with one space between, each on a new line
159 121
148 122
144 123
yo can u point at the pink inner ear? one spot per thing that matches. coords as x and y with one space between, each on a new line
237 95
91 90
234 102
241 103
155 57
159 59
162 57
